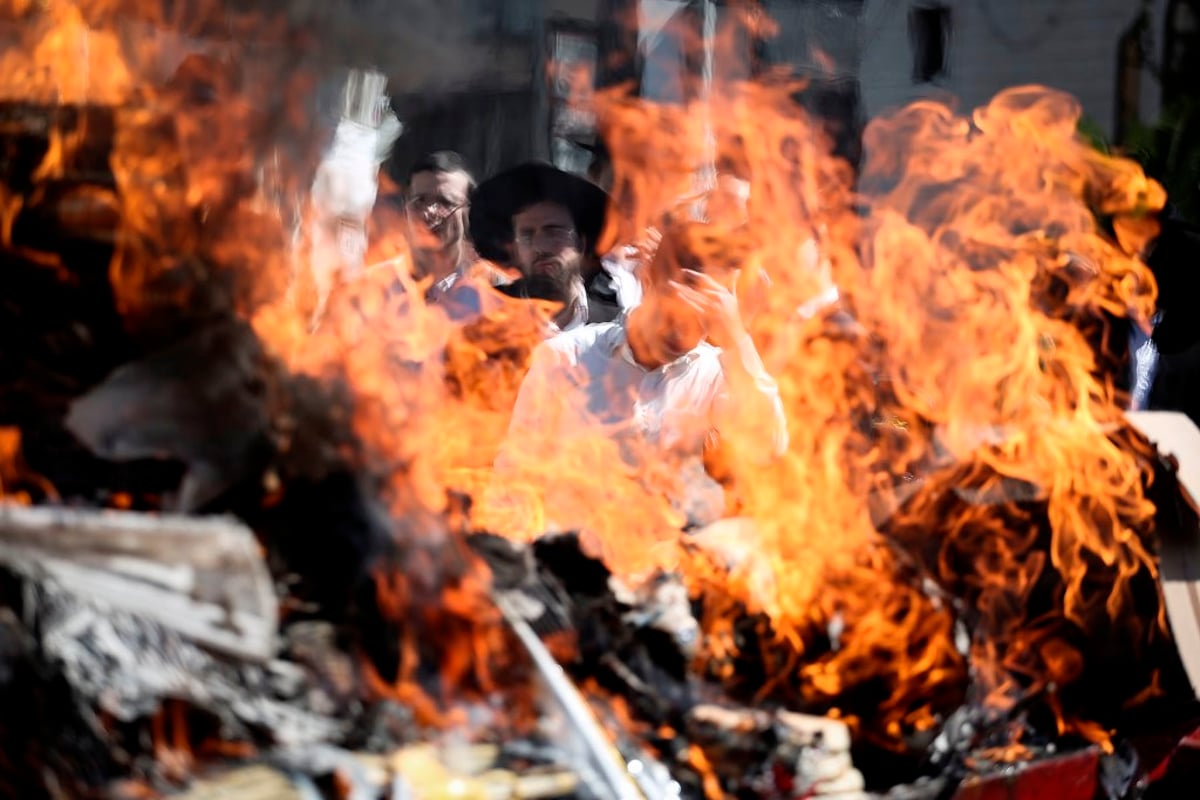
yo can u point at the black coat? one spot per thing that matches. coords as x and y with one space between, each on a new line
1174 259
603 303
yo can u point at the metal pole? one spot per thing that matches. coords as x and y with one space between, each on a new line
706 178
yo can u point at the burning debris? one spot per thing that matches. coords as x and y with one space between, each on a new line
263 557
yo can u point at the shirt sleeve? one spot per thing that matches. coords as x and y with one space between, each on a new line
748 408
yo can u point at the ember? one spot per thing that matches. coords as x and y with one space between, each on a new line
253 544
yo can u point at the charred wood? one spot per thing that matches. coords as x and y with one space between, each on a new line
59 334
1136 652
632 645
201 402
114 604
570 598
201 577
128 667
28 131
74 220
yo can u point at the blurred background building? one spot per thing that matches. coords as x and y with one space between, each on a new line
1132 64
1101 51
510 107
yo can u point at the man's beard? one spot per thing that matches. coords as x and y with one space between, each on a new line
556 270
547 287
566 288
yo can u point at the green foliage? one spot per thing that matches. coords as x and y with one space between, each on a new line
1169 150
1093 134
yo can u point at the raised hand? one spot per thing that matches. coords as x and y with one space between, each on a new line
715 303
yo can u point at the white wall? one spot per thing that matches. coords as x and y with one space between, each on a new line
1066 44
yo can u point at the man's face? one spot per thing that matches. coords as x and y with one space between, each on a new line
436 209
546 242
675 327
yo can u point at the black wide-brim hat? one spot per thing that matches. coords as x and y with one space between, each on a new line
496 200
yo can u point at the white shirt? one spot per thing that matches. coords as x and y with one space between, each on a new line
1143 364
621 267
588 411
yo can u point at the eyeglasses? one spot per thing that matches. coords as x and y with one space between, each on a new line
553 234
439 205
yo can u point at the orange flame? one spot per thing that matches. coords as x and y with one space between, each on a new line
18 483
977 271
961 430
172 740
58 58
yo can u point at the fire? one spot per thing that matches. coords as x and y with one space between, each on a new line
957 451
972 260
989 231
10 450
18 483
699 762
58 58
172 740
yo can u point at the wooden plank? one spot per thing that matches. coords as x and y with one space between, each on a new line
203 578
1175 435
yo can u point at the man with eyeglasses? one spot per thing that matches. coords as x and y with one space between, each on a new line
546 222
439 187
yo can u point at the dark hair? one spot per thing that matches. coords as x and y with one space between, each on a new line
442 161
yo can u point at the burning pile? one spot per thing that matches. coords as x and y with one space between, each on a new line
959 534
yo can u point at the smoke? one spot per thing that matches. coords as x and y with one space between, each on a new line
420 44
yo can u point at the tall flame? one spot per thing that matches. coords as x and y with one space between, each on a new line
956 427
973 259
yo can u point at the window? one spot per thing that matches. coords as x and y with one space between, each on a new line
929 33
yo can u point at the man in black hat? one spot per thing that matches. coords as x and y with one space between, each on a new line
546 222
